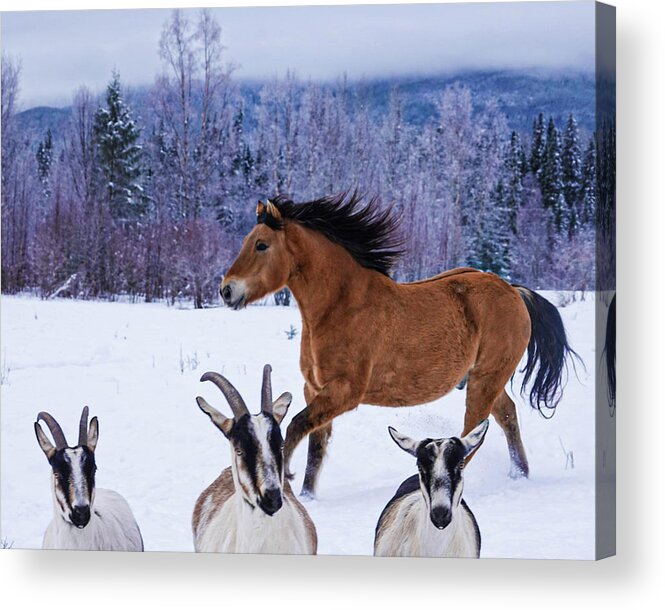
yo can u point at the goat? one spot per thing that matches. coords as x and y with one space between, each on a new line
427 516
86 518
250 507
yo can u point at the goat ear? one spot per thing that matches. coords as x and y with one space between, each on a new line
281 406
93 434
404 442
222 422
474 438
44 443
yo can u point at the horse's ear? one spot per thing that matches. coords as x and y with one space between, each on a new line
273 210
260 209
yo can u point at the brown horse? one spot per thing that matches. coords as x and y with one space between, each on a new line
367 339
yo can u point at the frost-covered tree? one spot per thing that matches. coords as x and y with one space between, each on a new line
516 169
571 168
487 214
538 141
193 96
44 158
450 168
531 251
80 150
551 179
587 203
119 155
490 245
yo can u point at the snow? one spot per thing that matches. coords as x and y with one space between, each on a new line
138 367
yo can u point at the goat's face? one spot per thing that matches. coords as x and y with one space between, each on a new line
73 468
440 463
74 484
256 442
257 445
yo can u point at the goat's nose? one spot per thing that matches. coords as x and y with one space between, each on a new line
80 516
440 516
271 501
226 293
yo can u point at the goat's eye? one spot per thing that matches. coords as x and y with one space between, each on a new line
239 452
261 246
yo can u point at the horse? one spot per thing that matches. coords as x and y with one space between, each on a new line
368 339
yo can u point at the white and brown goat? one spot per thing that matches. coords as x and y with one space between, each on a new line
86 518
427 516
250 507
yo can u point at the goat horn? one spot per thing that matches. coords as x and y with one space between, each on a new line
54 427
83 427
232 395
266 390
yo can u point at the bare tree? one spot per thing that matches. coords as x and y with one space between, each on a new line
193 99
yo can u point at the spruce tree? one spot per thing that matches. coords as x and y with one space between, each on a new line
537 145
516 169
119 155
490 247
44 160
551 179
587 203
571 167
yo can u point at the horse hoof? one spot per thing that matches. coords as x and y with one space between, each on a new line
307 495
518 472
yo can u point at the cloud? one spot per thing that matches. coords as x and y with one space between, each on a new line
61 50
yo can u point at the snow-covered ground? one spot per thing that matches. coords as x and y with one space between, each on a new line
138 367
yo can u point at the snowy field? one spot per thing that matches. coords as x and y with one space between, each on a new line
138 367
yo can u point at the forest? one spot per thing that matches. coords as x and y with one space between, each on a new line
150 201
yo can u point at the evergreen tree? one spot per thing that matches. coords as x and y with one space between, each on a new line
587 203
537 145
571 167
490 247
551 179
516 169
119 155
44 159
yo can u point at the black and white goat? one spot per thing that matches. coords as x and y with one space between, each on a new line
427 516
86 518
250 507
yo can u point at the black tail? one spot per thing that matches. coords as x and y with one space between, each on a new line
611 351
547 351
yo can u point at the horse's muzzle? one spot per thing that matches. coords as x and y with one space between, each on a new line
226 293
233 294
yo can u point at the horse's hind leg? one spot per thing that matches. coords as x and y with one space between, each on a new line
505 415
486 394
318 445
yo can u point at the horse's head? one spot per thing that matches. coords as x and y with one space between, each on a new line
264 263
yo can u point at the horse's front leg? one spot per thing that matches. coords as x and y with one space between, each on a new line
336 397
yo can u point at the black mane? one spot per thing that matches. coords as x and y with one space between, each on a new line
368 233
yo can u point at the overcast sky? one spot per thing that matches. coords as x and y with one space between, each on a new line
60 50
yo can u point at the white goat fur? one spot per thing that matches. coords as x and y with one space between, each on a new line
112 527
412 534
224 523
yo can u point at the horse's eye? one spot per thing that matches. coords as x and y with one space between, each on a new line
261 246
